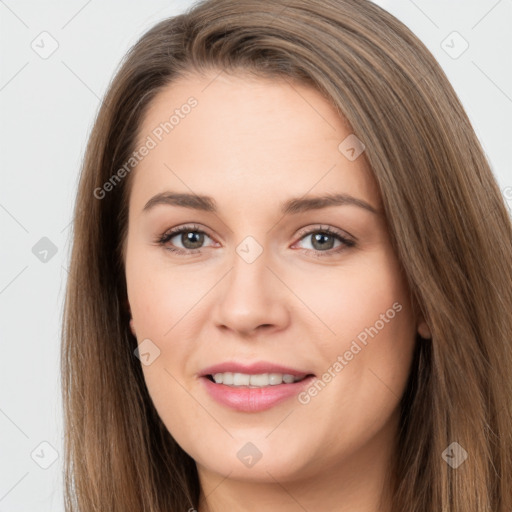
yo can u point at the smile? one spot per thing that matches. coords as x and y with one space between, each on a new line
239 394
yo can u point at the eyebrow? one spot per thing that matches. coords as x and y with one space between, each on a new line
289 207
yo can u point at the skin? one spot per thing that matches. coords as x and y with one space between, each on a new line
252 143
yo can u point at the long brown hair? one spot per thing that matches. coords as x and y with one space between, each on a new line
447 219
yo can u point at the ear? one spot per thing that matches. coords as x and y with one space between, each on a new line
129 311
424 330
132 327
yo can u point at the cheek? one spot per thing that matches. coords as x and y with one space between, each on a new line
367 355
363 300
159 308
159 295
157 304
381 323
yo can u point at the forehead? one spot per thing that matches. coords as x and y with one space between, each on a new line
249 139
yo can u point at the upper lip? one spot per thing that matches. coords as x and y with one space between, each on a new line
255 368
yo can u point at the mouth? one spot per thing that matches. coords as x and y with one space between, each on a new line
251 393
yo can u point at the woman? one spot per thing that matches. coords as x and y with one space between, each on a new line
213 362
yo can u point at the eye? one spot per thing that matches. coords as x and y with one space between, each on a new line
191 237
323 239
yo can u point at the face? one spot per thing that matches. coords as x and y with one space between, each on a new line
262 285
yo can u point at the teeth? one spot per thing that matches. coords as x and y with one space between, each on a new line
240 379
225 378
275 378
256 381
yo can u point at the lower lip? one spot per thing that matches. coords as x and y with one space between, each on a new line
254 399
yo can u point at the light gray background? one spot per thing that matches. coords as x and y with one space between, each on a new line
47 106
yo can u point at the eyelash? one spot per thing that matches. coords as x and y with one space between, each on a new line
168 235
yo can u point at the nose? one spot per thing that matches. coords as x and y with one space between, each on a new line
252 298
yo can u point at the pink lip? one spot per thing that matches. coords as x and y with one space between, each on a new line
252 369
246 399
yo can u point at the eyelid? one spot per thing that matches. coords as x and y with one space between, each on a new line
325 229
172 232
